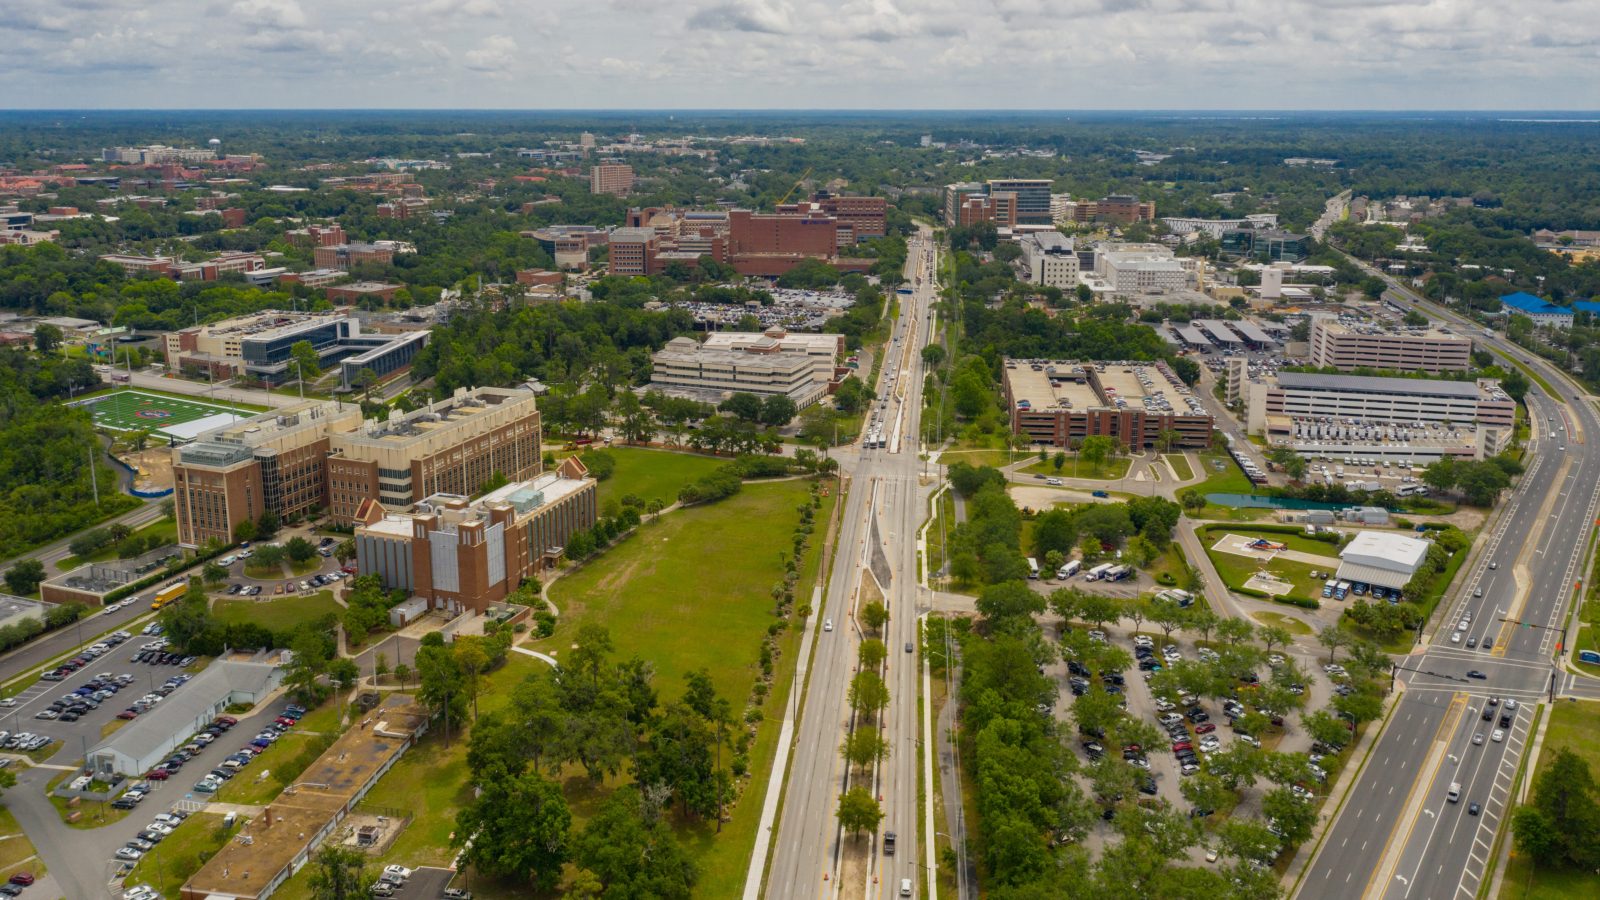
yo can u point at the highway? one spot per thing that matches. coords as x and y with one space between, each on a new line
1399 836
886 504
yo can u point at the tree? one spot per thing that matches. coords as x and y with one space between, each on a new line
1003 602
742 406
777 410
310 651
864 746
873 615
46 338
1333 637
306 359
439 683
1192 500
267 525
632 851
245 531
1095 450
1295 817
859 811
1234 631
214 573
1326 727
677 754
516 828
471 660
1168 616
338 874
933 356
270 556
871 654
24 577
1274 635
299 549
868 693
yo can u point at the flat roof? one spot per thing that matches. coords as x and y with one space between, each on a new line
1385 550
269 842
1252 333
1370 384
178 712
1219 331
1050 385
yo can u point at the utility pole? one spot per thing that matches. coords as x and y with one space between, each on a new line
94 477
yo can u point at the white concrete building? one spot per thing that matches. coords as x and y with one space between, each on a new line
822 349
1141 271
1381 558
688 368
1215 227
149 739
1050 259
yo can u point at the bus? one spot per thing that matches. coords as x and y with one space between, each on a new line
1033 569
1116 573
168 594
1098 572
1069 570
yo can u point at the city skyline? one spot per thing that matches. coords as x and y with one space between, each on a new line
801 54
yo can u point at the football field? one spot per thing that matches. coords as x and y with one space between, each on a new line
182 418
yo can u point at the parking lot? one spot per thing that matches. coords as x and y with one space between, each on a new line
1204 724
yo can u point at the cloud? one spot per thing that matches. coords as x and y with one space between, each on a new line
984 54
496 54
758 16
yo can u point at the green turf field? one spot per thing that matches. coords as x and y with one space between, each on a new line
135 410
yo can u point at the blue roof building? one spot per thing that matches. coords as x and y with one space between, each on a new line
1541 311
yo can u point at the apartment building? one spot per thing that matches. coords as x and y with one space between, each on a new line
1120 208
685 367
611 178
345 256
1138 404
1345 347
139 265
463 555
1050 258
323 454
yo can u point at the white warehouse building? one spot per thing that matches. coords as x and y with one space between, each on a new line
1381 558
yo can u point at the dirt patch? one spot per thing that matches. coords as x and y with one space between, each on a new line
154 468
853 868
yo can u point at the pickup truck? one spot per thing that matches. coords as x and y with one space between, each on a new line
888 843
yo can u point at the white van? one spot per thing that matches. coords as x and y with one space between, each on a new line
1455 792
905 887
1069 570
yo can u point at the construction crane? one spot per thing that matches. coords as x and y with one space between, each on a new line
785 198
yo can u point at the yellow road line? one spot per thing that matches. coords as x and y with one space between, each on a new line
1452 716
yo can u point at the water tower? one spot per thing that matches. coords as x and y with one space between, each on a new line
216 146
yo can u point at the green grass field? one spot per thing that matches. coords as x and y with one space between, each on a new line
1298 542
1114 468
279 614
657 474
1180 464
136 410
1223 476
1573 726
181 854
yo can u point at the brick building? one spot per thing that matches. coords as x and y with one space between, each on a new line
345 256
611 178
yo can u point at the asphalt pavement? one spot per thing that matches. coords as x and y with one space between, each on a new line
1400 836
885 507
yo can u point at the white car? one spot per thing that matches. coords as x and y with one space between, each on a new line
1054 482
1498 736
160 828
400 872
827 624
1143 640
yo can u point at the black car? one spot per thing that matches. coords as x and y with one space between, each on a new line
124 803
1149 787
1474 673
1077 668
1488 713
1197 716
1505 720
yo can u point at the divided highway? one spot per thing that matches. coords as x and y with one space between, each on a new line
1399 835
885 507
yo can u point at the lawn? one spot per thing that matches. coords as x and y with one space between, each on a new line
971 457
278 614
1114 468
1210 534
167 529
1223 476
1573 726
1236 570
702 570
181 855
657 474
655 606
275 769
16 851
1292 625
1180 464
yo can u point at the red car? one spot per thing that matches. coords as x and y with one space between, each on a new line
22 878
157 774
229 721
1207 728
1181 746
285 721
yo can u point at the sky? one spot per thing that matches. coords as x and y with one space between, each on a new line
801 54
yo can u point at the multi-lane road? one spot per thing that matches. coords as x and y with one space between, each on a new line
1399 835
885 506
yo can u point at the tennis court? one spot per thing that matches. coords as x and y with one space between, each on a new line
135 410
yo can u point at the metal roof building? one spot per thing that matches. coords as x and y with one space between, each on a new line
1381 558
147 740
